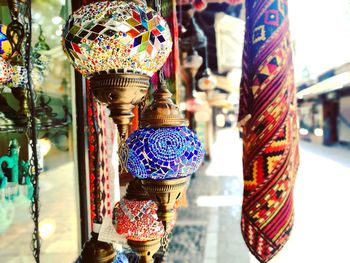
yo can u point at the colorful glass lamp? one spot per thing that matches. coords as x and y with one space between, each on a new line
163 153
137 220
118 45
5 45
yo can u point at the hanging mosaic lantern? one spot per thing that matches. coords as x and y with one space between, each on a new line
119 45
163 153
137 220
5 45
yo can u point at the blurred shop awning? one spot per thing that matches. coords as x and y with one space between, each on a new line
229 41
331 80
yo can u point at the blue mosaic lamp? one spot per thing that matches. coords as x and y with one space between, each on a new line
163 153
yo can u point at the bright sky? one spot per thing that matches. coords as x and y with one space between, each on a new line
321 30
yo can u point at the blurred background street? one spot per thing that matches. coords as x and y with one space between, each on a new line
208 230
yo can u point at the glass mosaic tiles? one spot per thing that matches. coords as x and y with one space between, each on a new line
19 77
120 258
116 37
164 153
6 71
137 220
13 76
5 45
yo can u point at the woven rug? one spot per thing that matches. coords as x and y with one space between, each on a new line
268 117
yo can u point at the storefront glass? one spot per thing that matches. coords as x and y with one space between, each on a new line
53 80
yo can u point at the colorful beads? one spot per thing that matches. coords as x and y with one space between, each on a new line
164 153
118 36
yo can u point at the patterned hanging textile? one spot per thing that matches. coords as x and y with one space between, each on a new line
268 117
100 144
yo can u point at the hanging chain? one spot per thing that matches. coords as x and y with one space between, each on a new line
32 133
166 241
15 30
168 235
158 6
123 153
161 76
143 103
97 165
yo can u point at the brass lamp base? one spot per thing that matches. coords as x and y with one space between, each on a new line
145 249
95 251
165 193
121 92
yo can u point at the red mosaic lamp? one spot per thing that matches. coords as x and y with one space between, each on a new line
137 220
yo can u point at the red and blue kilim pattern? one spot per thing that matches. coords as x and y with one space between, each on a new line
268 117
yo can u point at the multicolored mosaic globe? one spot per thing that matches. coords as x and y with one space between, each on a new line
164 153
5 46
137 220
116 37
6 71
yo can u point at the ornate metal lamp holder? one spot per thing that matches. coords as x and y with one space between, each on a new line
95 251
121 92
166 193
145 249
